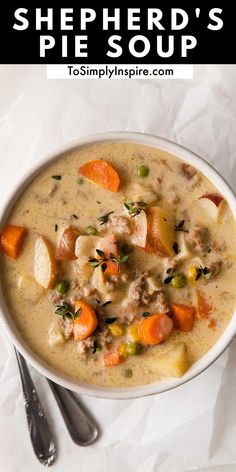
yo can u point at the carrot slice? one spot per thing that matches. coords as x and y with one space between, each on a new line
86 322
183 317
109 246
12 239
203 308
112 357
102 173
155 328
66 247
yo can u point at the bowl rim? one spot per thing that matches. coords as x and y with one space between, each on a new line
118 392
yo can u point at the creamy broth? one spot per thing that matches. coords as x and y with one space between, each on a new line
47 206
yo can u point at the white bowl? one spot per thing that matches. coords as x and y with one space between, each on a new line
143 390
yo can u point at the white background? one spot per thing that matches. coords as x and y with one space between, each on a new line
193 427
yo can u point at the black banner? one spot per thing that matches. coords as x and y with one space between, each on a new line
152 32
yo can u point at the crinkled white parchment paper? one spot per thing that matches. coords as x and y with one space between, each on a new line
188 429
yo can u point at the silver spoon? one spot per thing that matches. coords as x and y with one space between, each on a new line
40 434
81 426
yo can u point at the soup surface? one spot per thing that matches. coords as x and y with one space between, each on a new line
126 272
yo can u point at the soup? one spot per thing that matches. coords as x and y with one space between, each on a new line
118 264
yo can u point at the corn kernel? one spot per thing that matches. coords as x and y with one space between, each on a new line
192 274
122 350
132 332
116 330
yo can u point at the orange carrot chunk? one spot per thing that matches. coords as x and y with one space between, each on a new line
203 308
12 239
112 357
66 248
183 317
86 323
102 173
155 328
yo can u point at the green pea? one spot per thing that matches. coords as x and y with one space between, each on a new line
127 373
178 281
143 171
91 230
80 180
62 286
133 349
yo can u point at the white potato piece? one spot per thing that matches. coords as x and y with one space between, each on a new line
184 249
83 270
55 336
213 206
173 363
29 289
142 193
139 233
154 284
44 263
85 246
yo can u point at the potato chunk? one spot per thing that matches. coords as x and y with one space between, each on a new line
173 363
160 235
44 263
29 290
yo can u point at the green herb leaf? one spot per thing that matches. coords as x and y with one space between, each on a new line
75 216
146 314
104 218
65 311
176 248
134 208
203 271
100 253
110 320
106 303
77 313
96 347
104 266
56 228
180 227
94 262
56 177
167 280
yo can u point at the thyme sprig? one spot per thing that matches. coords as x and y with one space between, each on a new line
64 310
104 218
102 261
134 208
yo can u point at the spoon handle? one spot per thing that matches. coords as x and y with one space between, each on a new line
81 427
40 434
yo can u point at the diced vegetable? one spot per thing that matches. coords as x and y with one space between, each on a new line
29 289
116 330
192 274
139 232
112 357
127 373
44 263
122 350
185 251
142 193
91 230
203 307
109 246
155 328
133 349
66 247
173 363
86 323
212 204
183 317
178 281
11 240
160 231
143 171
132 332
62 286
55 336
102 173
85 246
